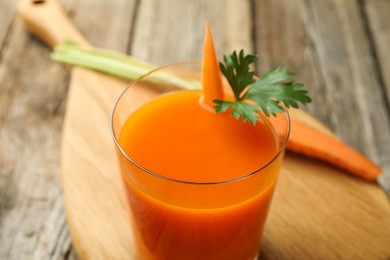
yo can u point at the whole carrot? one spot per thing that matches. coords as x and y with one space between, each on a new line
313 143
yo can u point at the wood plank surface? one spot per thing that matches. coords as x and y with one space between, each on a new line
378 27
6 18
32 104
230 24
335 46
328 43
32 221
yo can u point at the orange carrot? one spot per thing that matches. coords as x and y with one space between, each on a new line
211 75
310 142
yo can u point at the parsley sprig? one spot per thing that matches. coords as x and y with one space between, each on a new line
273 89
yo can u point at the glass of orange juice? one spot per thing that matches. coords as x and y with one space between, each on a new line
199 184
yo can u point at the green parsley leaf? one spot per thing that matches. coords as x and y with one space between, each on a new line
248 112
273 89
237 71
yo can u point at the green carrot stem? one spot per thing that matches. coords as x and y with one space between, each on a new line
116 64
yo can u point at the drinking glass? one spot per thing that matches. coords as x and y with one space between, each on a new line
181 219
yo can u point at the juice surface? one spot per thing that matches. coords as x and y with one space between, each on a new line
176 137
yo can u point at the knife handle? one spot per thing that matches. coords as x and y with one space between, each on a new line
47 20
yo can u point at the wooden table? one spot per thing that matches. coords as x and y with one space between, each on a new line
339 48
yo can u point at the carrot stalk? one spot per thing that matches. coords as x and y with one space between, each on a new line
211 75
310 142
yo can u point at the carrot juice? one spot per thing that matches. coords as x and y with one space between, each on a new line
199 184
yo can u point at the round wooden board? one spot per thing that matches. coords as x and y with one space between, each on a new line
318 212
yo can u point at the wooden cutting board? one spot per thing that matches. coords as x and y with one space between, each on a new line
318 212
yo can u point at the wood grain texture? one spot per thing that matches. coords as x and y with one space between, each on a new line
351 218
106 24
32 103
378 26
6 18
160 38
327 44
93 196
32 220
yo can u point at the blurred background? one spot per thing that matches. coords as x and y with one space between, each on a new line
339 48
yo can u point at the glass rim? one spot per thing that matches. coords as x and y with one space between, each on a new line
180 181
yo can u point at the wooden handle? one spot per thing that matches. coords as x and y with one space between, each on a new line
47 20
